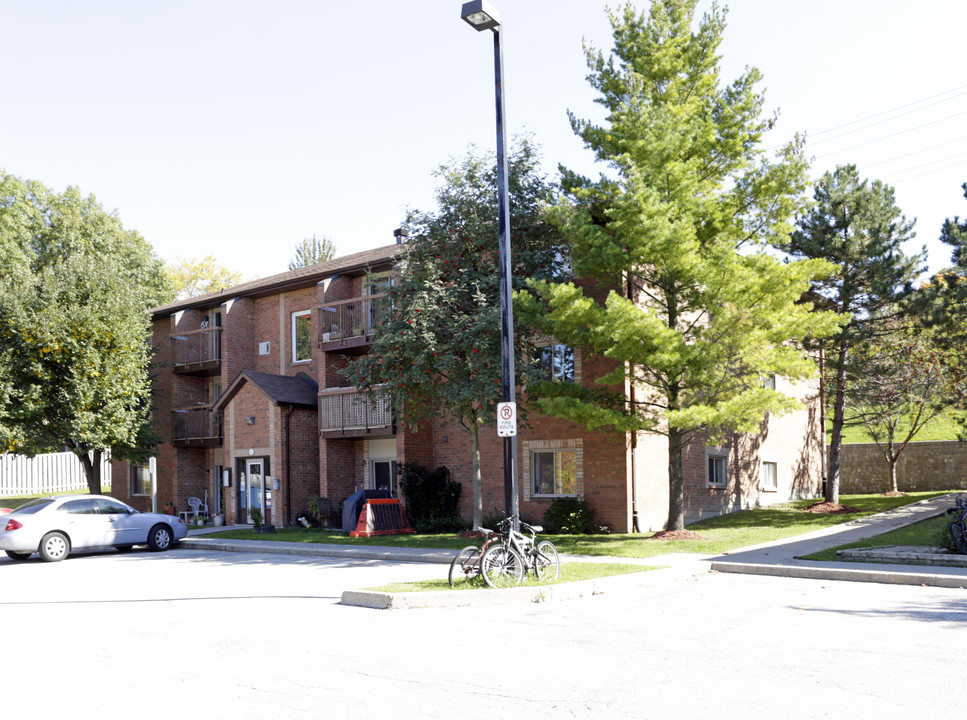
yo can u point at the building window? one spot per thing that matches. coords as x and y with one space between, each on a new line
717 463
556 362
140 480
769 477
554 472
769 382
302 336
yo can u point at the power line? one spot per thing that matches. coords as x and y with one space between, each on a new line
915 152
928 172
893 135
959 90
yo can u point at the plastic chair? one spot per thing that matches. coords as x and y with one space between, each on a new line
197 506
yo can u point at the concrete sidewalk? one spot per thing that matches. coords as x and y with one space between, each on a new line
778 558
782 558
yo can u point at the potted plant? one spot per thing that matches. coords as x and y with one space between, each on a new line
219 517
257 521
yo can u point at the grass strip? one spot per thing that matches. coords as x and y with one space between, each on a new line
928 533
570 572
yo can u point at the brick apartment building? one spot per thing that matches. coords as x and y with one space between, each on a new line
251 405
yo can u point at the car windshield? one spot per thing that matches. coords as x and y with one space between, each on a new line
34 505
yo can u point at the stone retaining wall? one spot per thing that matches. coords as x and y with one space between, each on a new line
922 466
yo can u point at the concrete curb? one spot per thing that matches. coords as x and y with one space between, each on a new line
890 576
386 554
934 557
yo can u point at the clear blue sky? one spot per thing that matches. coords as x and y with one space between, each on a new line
236 129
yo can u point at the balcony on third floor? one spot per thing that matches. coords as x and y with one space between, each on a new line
197 352
348 326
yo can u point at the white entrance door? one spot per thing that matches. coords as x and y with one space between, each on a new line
258 493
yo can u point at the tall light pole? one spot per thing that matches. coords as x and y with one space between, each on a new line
481 15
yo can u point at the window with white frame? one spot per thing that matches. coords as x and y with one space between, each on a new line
140 480
554 472
769 476
556 362
717 467
302 336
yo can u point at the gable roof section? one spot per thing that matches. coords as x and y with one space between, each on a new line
357 263
300 390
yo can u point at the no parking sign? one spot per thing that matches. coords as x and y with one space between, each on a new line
506 419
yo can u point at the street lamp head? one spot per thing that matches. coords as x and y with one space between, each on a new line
480 15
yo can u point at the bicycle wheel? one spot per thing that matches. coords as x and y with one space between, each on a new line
547 563
501 567
465 567
960 539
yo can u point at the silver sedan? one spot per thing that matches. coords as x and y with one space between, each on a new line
53 526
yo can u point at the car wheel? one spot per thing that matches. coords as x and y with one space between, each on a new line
18 556
54 547
159 538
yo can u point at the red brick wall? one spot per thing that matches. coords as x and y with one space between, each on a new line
239 349
340 461
303 466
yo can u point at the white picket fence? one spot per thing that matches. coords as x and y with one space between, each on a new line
49 473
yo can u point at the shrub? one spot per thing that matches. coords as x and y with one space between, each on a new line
452 524
490 521
944 539
431 498
569 516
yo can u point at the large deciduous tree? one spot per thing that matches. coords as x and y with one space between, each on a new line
438 354
74 327
857 226
193 276
678 226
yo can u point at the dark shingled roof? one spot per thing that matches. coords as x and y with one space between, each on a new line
357 263
300 390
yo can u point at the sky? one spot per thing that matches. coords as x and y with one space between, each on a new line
237 129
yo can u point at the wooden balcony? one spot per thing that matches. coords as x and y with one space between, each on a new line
196 426
346 412
348 326
197 352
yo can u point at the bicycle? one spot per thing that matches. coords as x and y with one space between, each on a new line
958 528
465 566
505 564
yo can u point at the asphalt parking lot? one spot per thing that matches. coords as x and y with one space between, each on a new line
228 635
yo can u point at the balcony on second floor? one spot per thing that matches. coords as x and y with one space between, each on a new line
346 412
196 426
197 352
347 326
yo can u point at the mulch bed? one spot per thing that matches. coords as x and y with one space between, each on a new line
831 508
472 534
676 535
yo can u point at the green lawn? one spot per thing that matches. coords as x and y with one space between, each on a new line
931 533
728 532
942 427
570 572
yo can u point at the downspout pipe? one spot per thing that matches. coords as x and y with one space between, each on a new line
288 466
